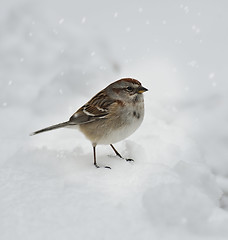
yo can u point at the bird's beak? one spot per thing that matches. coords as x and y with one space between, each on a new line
141 89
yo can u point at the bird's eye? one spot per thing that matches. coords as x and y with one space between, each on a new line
129 89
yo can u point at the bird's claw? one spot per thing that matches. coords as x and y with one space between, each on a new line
97 166
129 160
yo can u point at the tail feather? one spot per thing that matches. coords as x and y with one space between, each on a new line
60 125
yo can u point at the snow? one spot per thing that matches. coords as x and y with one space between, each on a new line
54 56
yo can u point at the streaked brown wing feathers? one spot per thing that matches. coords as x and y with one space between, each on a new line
95 109
101 100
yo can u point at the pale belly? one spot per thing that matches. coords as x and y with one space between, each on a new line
121 133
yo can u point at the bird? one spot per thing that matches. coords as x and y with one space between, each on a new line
112 115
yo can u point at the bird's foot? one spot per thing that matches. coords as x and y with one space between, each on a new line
97 166
108 167
129 159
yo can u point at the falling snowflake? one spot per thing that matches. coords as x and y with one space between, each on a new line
83 20
116 14
211 75
61 21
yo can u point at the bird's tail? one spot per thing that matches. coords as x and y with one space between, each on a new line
60 125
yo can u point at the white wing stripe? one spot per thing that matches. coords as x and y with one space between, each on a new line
88 113
101 109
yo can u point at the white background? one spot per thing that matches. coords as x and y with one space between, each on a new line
54 56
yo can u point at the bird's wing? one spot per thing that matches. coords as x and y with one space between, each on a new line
97 108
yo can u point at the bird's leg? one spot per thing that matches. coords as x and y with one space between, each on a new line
94 158
118 154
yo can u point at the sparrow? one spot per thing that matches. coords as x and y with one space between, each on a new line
112 115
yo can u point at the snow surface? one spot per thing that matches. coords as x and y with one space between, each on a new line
54 56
